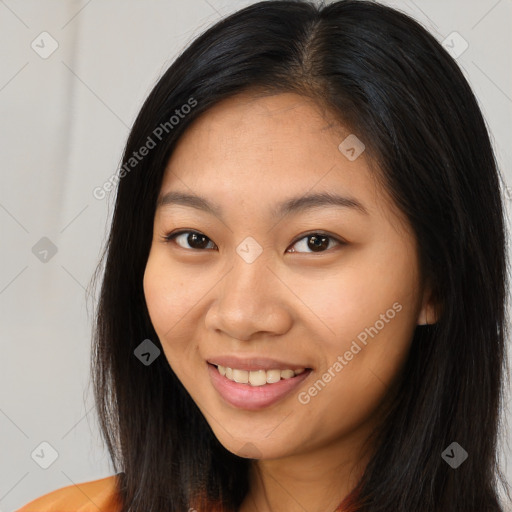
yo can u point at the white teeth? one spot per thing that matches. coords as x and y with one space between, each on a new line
287 374
257 377
273 376
241 376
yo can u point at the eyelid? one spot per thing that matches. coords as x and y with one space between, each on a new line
319 232
169 237
340 241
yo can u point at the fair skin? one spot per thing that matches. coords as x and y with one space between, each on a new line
247 154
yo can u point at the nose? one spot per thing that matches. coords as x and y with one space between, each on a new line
250 301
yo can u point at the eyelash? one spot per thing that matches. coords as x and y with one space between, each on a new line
171 236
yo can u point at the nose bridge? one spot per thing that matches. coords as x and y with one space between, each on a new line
250 275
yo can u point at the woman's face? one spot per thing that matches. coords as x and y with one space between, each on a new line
322 285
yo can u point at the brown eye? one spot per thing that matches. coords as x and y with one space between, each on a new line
316 242
194 239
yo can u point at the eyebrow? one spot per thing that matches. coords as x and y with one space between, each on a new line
289 206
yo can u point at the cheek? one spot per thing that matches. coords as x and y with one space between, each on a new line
368 313
170 301
169 296
347 302
170 304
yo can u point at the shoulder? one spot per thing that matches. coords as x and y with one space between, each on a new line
101 494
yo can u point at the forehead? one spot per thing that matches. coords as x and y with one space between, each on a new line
271 121
256 150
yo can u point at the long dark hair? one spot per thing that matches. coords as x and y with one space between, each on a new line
392 83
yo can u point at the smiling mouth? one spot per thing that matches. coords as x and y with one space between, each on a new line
258 377
255 394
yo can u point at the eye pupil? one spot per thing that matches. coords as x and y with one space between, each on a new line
318 242
193 238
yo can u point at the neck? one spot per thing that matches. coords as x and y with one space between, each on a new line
317 480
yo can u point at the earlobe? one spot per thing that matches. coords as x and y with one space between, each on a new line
426 317
429 311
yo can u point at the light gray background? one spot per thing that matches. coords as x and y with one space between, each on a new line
63 123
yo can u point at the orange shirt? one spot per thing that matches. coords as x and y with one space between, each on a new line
90 496
95 496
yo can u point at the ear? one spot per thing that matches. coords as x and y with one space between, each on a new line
429 308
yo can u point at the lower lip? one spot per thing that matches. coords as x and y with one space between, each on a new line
253 398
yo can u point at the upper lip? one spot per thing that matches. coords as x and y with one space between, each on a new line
254 363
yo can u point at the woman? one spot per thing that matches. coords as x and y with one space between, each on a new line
303 299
